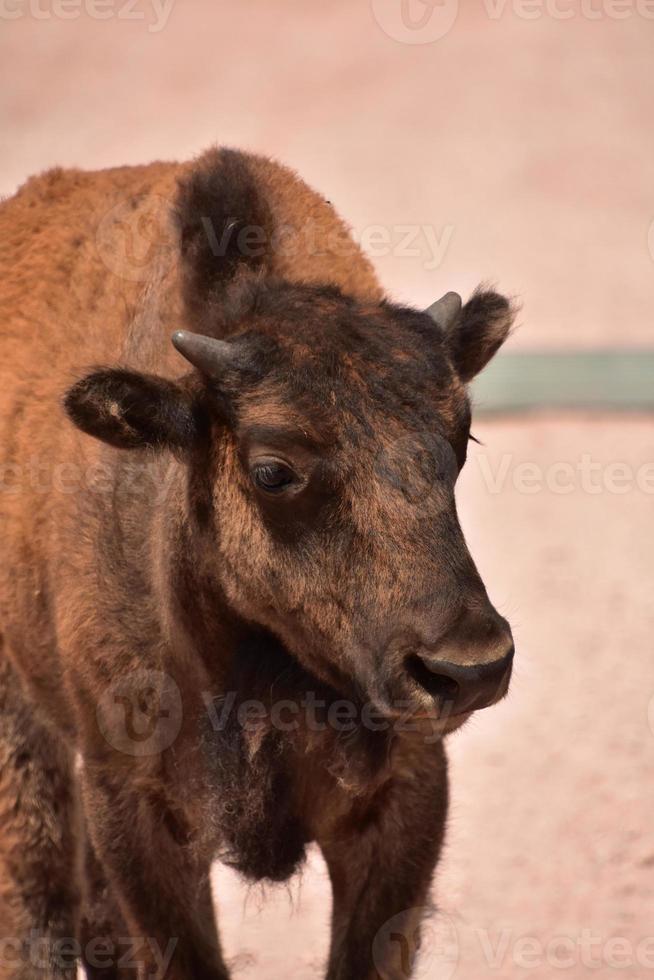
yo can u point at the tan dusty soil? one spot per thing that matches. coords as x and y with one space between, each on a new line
526 144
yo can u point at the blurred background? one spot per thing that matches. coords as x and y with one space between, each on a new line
509 141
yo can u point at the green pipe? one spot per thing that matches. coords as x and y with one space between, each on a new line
600 380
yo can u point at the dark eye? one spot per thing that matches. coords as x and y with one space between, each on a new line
273 477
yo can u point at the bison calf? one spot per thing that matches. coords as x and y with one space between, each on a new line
237 612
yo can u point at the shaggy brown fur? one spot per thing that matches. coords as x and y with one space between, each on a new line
279 530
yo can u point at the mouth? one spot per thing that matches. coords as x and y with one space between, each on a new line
444 722
429 726
421 713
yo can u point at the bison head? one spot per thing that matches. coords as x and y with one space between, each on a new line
322 437
330 435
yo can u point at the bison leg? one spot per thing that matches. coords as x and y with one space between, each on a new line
37 890
102 933
381 866
163 893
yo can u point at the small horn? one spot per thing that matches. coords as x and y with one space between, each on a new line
445 310
208 355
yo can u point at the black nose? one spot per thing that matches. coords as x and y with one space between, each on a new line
470 669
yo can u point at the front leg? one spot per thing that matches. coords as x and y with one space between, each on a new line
100 925
381 862
164 894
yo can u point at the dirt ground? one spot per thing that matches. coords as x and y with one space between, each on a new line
516 148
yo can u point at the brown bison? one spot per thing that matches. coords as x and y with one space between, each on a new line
237 611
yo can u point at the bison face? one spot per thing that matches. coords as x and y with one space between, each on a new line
325 438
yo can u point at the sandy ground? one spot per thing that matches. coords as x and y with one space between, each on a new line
518 148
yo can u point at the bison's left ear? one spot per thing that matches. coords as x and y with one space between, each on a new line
476 331
131 410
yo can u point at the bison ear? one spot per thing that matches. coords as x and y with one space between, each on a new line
131 410
478 331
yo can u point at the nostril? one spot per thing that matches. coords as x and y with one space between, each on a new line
437 685
461 687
